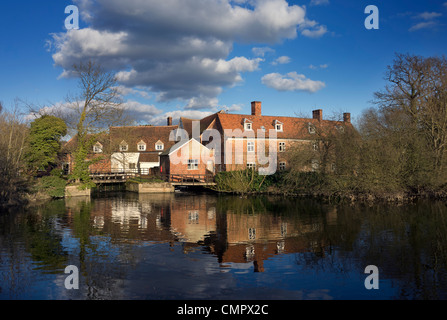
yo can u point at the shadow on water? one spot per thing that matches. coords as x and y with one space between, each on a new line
202 245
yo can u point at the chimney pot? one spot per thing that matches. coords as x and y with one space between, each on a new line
347 117
169 121
256 108
317 114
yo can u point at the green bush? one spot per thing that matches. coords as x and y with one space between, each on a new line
53 186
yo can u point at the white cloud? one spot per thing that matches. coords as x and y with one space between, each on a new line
291 82
178 49
282 60
321 66
314 32
191 114
262 51
423 25
429 15
429 21
319 2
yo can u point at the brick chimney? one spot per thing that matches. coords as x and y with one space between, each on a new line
317 114
256 109
347 117
169 121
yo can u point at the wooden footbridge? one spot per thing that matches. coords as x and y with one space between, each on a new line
175 179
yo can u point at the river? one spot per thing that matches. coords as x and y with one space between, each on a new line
208 246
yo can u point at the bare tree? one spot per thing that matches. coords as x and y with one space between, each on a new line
417 86
97 107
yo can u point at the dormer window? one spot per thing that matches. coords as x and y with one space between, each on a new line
340 128
97 148
159 146
141 146
248 125
278 126
124 146
311 128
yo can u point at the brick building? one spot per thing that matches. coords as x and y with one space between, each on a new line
246 141
230 141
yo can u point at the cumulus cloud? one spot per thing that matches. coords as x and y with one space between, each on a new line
179 49
282 60
262 51
291 82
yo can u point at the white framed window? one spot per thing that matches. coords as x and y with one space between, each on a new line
193 217
315 164
251 165
311 128
282 147
159 147
193 164
141 146
248 126
250 146
282 166
124 147
315 146
97 148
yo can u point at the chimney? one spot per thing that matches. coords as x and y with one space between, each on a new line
317 114
169 121
256 109
347 117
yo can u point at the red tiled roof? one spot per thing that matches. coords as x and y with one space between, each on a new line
148 134
149 157
293 128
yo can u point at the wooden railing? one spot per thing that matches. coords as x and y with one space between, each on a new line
172 178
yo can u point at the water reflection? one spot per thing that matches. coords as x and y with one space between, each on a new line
203 246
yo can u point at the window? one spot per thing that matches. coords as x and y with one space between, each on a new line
159 147
282 147
250 146
252 233
315 164
132 166
315 146
124 146
251 165
193 217
193 164
248 126
142 147
282 166
97 148
278 125
311 128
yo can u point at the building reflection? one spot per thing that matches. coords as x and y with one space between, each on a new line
199 221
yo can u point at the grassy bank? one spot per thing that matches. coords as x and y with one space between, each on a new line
316 185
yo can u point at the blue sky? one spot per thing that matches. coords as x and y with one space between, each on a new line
193 57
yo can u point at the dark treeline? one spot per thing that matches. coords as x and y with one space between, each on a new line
398 146
13 134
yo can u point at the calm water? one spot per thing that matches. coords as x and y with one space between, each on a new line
185 246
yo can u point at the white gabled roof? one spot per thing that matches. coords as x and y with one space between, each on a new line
181 144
